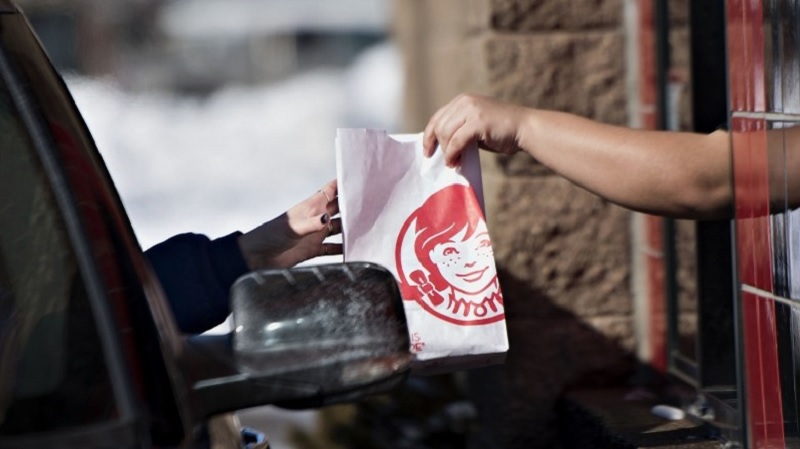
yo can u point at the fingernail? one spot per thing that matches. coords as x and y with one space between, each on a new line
324 218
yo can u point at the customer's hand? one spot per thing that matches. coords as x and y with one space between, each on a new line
468 119
297 235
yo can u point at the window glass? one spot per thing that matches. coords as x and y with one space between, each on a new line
781 46
53 372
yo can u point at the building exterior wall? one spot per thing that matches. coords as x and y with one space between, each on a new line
563 253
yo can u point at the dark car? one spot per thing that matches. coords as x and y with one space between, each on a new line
90 355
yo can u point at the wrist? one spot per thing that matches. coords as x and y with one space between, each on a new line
528 128
244 245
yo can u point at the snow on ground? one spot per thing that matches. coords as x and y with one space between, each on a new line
238 157
235 159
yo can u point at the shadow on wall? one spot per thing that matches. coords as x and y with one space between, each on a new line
551 351
507 406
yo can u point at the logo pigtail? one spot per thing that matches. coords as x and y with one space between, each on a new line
425 288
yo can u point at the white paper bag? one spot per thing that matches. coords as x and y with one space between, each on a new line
425 223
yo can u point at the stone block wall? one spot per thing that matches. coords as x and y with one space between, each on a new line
563 253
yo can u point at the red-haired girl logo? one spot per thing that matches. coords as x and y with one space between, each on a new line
445 261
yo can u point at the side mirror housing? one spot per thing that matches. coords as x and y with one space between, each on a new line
303 338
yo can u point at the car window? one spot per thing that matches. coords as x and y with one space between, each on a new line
53 370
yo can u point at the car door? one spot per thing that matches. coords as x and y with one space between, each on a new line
86 339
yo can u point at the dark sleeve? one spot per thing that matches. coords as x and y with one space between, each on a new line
196 274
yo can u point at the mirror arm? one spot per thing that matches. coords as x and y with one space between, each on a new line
216 386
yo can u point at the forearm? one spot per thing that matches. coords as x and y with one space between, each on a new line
196 274
682 175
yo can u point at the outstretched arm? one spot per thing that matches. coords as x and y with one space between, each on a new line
683 175
197 272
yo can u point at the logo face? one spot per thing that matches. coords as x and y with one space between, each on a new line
445 261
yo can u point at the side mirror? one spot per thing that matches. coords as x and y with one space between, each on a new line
302 338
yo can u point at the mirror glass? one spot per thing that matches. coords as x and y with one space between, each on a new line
334 326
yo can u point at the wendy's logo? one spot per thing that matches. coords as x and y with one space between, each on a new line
445 261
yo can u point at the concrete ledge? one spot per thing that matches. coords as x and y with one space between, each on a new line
591 419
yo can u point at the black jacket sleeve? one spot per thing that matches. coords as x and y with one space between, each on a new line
196 274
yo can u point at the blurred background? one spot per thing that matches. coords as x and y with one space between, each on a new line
215 116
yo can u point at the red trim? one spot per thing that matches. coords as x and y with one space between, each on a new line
749 141
653 226
765 413
751 190
737 64
746 55
764 406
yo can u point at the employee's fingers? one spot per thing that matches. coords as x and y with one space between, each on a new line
429 137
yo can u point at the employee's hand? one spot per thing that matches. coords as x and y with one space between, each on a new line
296 235
468 119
